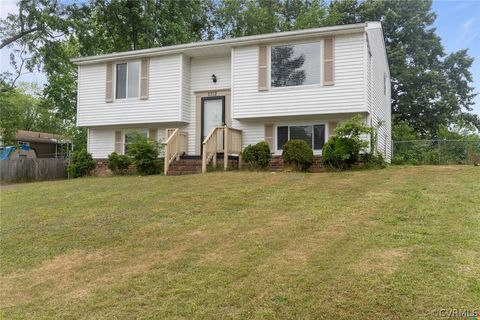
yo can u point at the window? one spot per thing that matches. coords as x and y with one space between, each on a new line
295 65
127 82
313 135
129 135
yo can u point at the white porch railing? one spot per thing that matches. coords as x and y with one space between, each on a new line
221 139
175 145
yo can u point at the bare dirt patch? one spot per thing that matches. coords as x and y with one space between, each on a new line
385 260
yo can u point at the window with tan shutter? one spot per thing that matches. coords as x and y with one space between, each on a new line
109 83
153 134
263 68
269 136
144 75
328 61
331 128
119 142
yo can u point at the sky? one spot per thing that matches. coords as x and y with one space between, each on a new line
458 24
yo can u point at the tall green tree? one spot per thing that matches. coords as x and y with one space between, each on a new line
46 34
429 89
235 18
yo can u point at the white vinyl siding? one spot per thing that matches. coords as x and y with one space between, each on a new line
379 103
201 70
101 142
163 105
186 116
346 95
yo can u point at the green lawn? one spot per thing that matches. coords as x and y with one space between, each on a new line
396 243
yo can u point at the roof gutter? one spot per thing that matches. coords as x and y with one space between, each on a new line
242 41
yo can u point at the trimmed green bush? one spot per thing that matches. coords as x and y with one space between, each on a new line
340 152
81 165
298 154
118 163
144 153
257 156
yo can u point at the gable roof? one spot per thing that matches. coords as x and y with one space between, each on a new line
204 47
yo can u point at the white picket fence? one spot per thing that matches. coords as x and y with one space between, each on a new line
33 169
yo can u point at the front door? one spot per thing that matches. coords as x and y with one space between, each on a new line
213 115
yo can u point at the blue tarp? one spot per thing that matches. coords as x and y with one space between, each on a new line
5 152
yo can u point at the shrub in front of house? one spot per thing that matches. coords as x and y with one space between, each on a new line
297 154
118 163
257 156
340 152
144 153
81 164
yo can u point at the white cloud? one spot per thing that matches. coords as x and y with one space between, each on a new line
467 24
467 32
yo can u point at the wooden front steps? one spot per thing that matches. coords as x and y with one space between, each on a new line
193 164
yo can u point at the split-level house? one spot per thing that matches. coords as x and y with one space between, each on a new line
212 97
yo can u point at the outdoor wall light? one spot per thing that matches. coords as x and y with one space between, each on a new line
214 78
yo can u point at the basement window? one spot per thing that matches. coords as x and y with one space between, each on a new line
129 137
127 80
313 135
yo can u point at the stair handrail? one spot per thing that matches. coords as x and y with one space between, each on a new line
232 144
209 148
171 147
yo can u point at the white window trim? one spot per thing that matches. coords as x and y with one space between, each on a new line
299 124
126 84
305 86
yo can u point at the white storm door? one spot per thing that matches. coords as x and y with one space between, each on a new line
213 115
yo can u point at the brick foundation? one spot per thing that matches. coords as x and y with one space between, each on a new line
191 165
276 164
102 170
